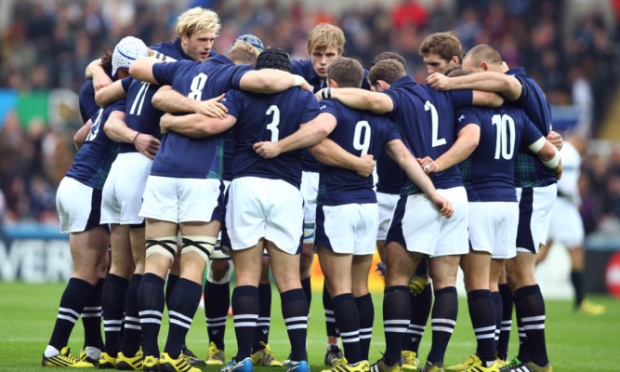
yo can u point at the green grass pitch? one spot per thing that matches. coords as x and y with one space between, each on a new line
575 342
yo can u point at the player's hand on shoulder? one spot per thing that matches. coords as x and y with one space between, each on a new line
438 81
443 205
147 145
267 149
307 87
213 107
365 165
101 80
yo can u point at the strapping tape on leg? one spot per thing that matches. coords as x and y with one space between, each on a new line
309 233
165 246
201 244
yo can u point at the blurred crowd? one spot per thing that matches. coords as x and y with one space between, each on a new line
47 44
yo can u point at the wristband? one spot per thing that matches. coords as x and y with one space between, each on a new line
326 93
554 161
298 80
136 137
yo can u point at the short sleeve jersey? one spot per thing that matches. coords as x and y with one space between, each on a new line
488 173
427 124
94 159
359 133
529 170
88 106
141 115
180 156
268 117
303 67
390 176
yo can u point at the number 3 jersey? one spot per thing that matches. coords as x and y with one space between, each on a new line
488 173
268 117
426 120
180 156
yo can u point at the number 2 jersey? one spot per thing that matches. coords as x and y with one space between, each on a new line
180 156
427 124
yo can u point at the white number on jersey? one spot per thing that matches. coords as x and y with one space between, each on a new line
136 106
198 84
275 121
358 143
428 106
504 136
94 128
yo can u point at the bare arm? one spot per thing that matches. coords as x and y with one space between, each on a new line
95 72
481 98
362 99
271 81
142 69
169 100
489 81
330 153
307 135
116 128
465 144
195 125
80 136
548 154
401 155
109 94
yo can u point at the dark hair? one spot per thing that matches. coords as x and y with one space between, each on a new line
106 61
347 72
445 44
389 55
275 58
388 70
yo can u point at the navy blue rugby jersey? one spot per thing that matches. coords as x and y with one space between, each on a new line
360 133
303 67
390 176
529 170
268 117
94 159
88 106
488 174
140 114
427 123
229 149
181 156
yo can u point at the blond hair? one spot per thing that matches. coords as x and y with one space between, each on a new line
324 35
198 19
483 53
243 53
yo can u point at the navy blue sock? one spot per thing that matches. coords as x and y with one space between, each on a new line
530 307
366 312
307 287
504 334
420 310
114 293
295 314
245 314
482 315
171 282
182 307
443 320
263 323
151 307
217 302
330 320
497 302
396 317
72 302
132 332
91 318
348 322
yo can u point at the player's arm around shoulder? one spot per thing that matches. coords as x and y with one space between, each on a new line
195 125
489 81
548 154
361 99
271 81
